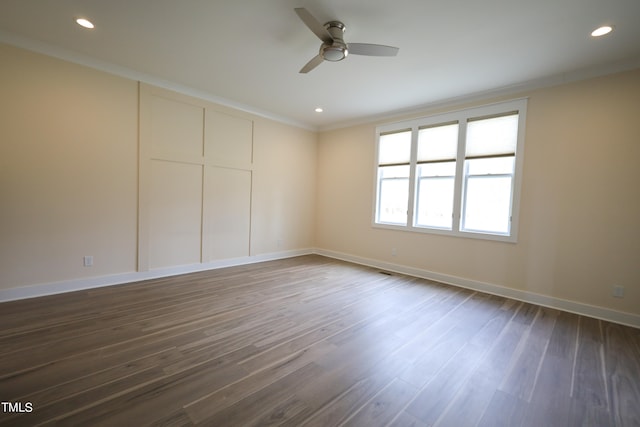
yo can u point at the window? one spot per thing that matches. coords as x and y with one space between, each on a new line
455 173
436 170
394 154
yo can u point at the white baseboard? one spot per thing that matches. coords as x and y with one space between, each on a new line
620 317
52 288
44 289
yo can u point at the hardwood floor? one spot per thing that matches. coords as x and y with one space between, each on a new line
311 341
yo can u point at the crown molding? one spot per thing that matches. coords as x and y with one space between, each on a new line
88 61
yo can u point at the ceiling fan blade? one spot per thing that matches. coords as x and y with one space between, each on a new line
372 49
312 23
315 61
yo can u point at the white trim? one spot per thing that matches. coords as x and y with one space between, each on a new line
45 289
607 314
53 288
419 109
128 73
461 117
499 92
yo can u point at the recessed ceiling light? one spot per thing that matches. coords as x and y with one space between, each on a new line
601 31
85 23
318 110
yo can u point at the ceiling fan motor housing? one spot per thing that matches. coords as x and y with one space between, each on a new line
337 50
333 47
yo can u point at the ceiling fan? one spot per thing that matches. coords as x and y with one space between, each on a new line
333 47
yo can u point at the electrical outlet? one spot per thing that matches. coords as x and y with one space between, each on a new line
88 261
394 252
618 291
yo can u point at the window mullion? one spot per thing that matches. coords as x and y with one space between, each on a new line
411 205
458 183
378 195
463 199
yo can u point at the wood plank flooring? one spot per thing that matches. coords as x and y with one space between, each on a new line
310 341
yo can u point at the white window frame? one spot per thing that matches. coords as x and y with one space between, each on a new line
461 117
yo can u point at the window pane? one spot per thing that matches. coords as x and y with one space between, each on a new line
437 169
393 201
491 166
438 143
394 148
393 196
497 135
435 202
487 204
385 172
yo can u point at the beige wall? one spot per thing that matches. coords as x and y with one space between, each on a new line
69 171
195 174
579 213
283 205
69 187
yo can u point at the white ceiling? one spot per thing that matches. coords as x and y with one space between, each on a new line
247 53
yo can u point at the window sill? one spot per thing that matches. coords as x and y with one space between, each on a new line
450 233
